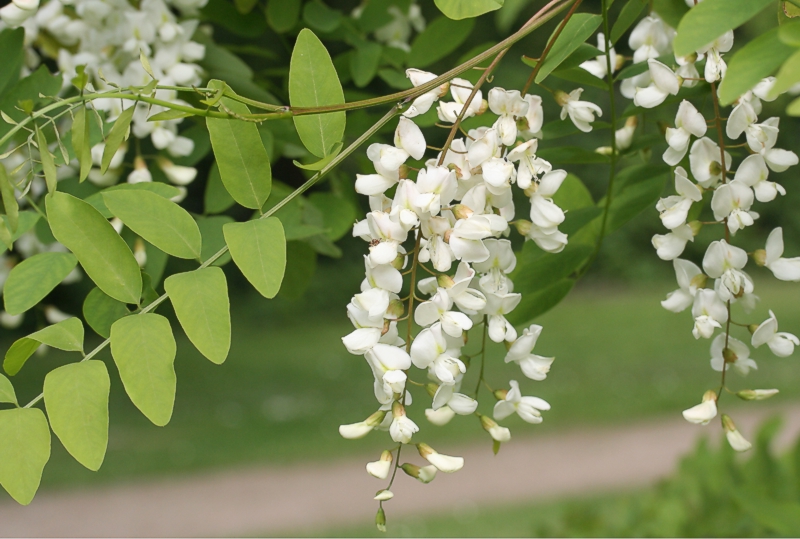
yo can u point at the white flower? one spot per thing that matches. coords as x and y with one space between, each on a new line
550 240
599 66
664 83
762 138
715 65
740 118
686 272
785 269
737 352
498 304
732 201
704 412
484 147
380 468
402 429
674 209
460 89
724 263
544 212
408 137
528 408
440 417
438 309
582 113
671 246
709 312
431 350
534 118
498 433
437 187
362 428
179 175
140 172
753 172
465 238
533 366
457 403
443 463
384 495
735 438
423 103
688 122
650 38
705 162
508 105
781 343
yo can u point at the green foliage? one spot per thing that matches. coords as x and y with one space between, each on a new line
213 239
630 12
76 398
144 350
757 59
24 451
579 28
200 299
35 277
9 201
161 189
466 9
65 335
101 311
243 162
11 43
156 219
48 165
80 141
710 19
313 82
638 188
7 393
282 15
118 135
259 249
429 47
217 199
104 256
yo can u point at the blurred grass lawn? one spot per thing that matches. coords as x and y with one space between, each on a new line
288 383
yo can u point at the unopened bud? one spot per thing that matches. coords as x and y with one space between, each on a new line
699 281
710 395
756 394
380 520
562 98
396 309
445 281
425 450
398 410
383 495
727 423
462 211
483 108
500 394
604 150
375 419
632 121
752 328
403 172
443 89
696 226
760 257
399 262
729 355
523 226
140 252
387 325
431 389
411 470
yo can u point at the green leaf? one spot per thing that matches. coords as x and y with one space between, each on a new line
245 6
258 248
48 165
24 450
76 398
27 220
213 239
321 17
242 159
338 213
364 63
118 135
161 189
144 350
759 58
580 76
466 9
101 311
200 299
66 335
709 19
579 28
225 14
788 75
537 269
572 154
31 88
35 277
441 37
313 82
282 15
216 198
672 11
642 192
104 256
538 303
9 200
322 163
573 194
630 12
158 220
169 114
7 394
12 45
80 141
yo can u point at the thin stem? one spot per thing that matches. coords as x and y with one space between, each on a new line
483 358
297 192
549 46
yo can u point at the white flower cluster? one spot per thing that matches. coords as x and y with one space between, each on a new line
710 169
456 213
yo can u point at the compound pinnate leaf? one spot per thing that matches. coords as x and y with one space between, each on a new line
313 82
259 249
104 255
76 398
144 350
24 450
158 220
35 277
200 299
66 335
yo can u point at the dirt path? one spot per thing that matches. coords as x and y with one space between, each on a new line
315 496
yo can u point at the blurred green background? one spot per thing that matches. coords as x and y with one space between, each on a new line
289 382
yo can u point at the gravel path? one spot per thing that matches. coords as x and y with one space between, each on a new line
309 497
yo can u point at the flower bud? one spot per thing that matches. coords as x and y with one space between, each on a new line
604 150
756 394
440 417
383 495
752 328
445 281
380 520
562 98
381 467
696 226
483 108
403 171
447 235
431 388
698 281
443 463
462 211
139 252
500 394
424 474
729 355
523 227
760 257
399 262
735 438
396 309
632 121
398 410
443 89
498 433
376 419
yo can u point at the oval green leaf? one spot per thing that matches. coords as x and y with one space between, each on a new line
313 82
282 15
579 28
216 198
441 37
242 159
158 220
35 277
118 135
200 299
709 19
66 335
104 256
144 350
466 9
76 398
259 250
24 450
101 310
7 393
